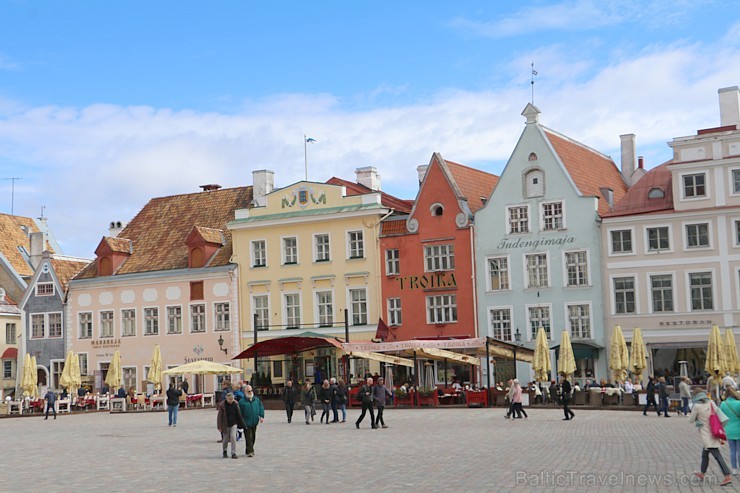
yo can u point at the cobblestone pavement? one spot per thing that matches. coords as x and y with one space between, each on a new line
461 450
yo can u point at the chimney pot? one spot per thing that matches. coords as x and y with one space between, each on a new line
729 106
115 228
210 187
641 162
369 177
422 171
263 183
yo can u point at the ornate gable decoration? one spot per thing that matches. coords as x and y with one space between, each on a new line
302 195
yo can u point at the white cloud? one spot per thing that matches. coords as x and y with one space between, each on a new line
7 64
91 165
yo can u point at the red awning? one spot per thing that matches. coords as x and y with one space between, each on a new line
288 345
10 353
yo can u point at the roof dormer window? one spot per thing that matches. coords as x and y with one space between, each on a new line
656 193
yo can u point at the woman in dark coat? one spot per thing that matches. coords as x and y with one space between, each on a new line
325 398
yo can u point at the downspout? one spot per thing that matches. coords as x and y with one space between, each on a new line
475 293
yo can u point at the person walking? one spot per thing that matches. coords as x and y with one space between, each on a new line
565 390
334 388
380 393
366 398
700 413
325 398
289 399
517 401
731 407
228 420
173 403
51 399
185 385
342 399
510 398
684 390
650 397
308 395
253 413
663 396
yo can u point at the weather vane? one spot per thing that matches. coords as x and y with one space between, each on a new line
534 72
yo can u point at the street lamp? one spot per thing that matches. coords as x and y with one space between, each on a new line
517 340
221 344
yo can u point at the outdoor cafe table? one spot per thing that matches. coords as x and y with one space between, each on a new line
193 399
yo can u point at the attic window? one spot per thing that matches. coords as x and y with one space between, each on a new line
105 266
534 183
532 156
196 258
656 193
437 209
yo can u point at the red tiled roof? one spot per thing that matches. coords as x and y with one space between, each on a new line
121 245
10 353
473 183
400 205
393 227
13 236
159 230
210 235
589 169
65 269
636 201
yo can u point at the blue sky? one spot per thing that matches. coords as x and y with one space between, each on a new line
104 105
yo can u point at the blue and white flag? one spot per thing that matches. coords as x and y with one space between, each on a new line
310 140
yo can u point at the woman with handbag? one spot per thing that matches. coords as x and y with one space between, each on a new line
708 417
731 408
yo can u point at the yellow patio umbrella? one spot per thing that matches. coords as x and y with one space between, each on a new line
202 368
27 378
65 379
34 378
541 361
155 369
618 356
115 373
566 360
638 358
714 363
731 359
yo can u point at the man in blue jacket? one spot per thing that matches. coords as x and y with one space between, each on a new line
253 413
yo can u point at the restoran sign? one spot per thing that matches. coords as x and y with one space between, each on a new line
474 342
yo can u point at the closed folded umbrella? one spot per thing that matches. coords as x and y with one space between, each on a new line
114 377
566 360
618 356
27 384
65 379
34 378
202 368
429 377
638 358
541 361
714 362
731 359
155 369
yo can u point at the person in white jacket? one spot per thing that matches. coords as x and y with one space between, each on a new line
700 413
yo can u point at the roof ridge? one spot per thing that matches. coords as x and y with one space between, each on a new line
581 144
220 190
478 170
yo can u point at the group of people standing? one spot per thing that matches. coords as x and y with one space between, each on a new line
245 413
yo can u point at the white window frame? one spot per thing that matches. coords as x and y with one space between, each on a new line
50 283
532 333
222 318
610 241
444 302
8 366
587 282
353 312
48 325
84 363
647 229
124 331
441 257
33 318
90 327
613 291
562 215
682 184
318 306
649 283
685 230
395 311
525 265
354 242
299 305
489 282
202 318
316 253
126 384
147 321
266 309
508 219
392 262
284 250
112 324
11 333
56 367
731 181
736 231
169 318
590 319
253 251
712 284
492 330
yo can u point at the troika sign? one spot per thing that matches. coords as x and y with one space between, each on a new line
507 244
428 281
475 342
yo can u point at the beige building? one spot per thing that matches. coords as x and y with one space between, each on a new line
672 247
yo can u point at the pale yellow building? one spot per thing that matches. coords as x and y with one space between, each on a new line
309 256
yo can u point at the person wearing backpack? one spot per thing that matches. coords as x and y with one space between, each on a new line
700 415
731 408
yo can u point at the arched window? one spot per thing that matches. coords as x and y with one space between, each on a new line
534 185
532 156
105 266
437 209
656 193
196 258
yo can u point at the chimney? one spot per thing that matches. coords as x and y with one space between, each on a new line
2 296
210 187
369 177
640 162
628 156
729 106
263 182
38 244
422 170
115 227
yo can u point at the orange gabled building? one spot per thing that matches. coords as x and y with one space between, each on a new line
427 284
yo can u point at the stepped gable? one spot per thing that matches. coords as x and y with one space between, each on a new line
589 169
158 232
